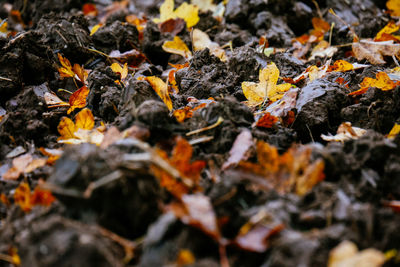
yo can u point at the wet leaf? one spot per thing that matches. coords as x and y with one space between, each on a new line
27 200
23 164
161 89
257 92
345 132
394 7
202 41
78 99
187 12
347 254
177 46
382 82
374 51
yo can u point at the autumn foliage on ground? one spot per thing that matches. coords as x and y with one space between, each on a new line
199 133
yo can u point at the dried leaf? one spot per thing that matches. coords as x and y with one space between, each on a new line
374 51
185 11
347 254
394 7
386 33
66 69
202 41
204 5
84 120
90 10
161 89
95 28
382 82
26 200
78 99
266 121
122 71
257 92
133 57
345 132
52 100
240 149
291 171
173 26
66 128
23 164
177 46
342 66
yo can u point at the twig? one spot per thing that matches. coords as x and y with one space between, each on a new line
5 79
115 175
202 139
219 121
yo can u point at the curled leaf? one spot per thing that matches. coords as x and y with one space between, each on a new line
187 12
177 46
161 89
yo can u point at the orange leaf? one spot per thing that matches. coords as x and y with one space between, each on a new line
23 164
42 197
80 72
341 66
161 89
84 120
267 121
66 128
90 10
394 7
66 69
382 82
320 24
78 99
386 33
26 200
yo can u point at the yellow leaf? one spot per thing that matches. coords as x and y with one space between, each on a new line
185 257
66 128
394 7
122 71
390 28
342 65
177 46
161 89
254 92
3 26
394 132
95 28
202 41
84 120
187 12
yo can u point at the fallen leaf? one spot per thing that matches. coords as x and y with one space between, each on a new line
393 204
78 99
122 71
267 121
26 200
346 254
52 100
23 164
322 49
66 69
196 210
90 10
181 160
345 132
386 33
81 131
204 5
161 89
133 57
374 51
52 154
177 46
382 82
173 26
187 12
291 171
342 66
95 28
267 87
202 41
394 131
185 257
240 149
394 7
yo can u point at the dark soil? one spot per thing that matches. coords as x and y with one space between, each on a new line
126 221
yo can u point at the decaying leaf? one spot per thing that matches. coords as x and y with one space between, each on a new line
291 171
177 46
173 26
382 82
394 7
202 41
23 164
240 149
161 89
374 51
345 132
81 131
27 200
346 254
187 12
181 160
256 93
78 99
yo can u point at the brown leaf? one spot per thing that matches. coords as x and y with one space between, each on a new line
240 149
23 164
374 51
173 26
